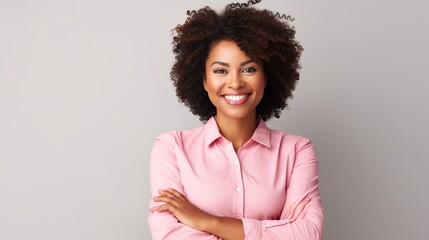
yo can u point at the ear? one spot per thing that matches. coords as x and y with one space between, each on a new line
205 84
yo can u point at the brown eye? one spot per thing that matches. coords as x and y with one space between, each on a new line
249 70
219 71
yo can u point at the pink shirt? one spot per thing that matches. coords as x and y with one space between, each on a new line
272 171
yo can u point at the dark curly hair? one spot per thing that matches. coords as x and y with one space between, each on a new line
261 34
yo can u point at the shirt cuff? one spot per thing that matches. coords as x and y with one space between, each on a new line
252 229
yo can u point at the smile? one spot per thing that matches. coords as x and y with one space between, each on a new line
236 99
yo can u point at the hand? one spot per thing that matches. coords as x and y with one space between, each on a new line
181 208
298 211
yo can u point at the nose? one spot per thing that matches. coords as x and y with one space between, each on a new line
235 81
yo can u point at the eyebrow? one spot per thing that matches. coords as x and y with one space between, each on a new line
227 64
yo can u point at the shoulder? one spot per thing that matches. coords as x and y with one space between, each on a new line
286 140
177 137
167 145
298 149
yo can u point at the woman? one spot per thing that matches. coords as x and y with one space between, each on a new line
234 178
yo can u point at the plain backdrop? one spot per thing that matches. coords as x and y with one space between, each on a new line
85 87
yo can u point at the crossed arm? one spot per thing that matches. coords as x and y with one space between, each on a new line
174 217
223 227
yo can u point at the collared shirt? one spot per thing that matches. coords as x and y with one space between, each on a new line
268 175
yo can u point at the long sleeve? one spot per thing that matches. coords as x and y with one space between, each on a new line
257 184
303 182
164 173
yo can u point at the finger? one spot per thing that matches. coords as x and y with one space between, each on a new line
166 199
302 214
163 192
176 193
154 209
300 208
292 210
289 212
157 208
165 207
172 193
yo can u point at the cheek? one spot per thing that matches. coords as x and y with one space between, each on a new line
211 93
212 86
259 84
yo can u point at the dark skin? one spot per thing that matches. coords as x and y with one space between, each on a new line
230 72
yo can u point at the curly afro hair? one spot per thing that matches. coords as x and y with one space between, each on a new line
261 34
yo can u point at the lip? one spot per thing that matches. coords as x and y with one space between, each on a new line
238 100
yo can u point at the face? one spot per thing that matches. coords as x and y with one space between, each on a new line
234 82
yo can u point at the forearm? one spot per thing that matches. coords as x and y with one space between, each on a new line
225 228
188 214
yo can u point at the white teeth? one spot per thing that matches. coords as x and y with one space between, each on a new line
235 97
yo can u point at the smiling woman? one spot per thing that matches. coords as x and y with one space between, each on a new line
234 178
235 85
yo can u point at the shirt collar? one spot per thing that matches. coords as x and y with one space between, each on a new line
211 131
262 134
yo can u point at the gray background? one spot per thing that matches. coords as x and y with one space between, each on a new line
84 89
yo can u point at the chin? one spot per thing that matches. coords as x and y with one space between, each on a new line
238 115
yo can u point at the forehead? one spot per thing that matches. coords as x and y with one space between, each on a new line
226 50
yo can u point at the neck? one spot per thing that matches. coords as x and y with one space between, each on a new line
237 131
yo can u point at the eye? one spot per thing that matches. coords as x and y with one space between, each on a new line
219 71
249 70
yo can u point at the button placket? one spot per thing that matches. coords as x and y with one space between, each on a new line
238 199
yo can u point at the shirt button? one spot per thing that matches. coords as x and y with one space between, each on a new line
235 163
238 189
